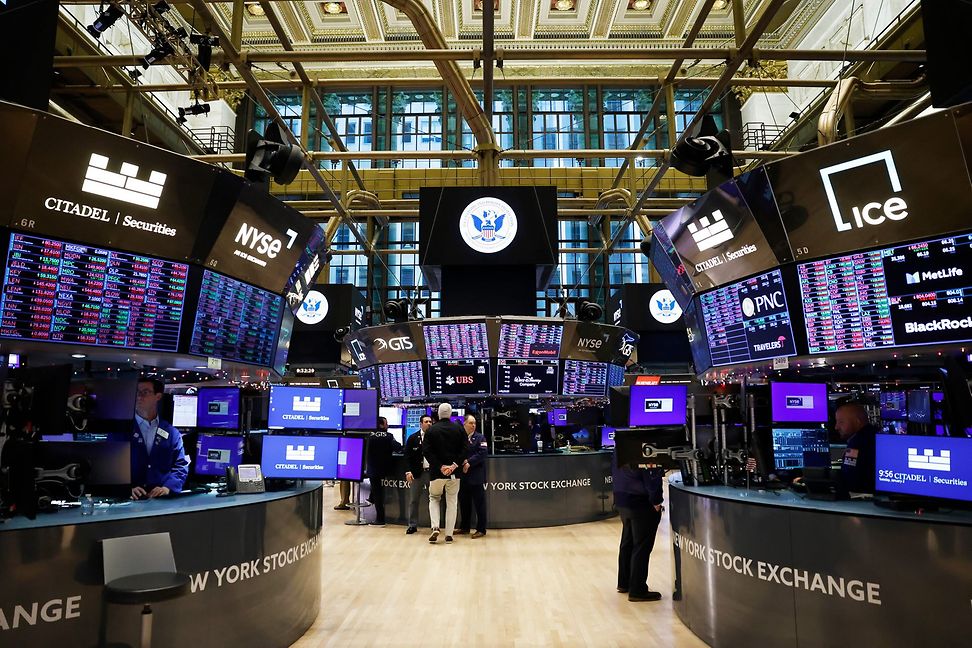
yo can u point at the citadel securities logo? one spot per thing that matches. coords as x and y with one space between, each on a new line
664 308
124 185
709 232
300 453
873 213
488 225
313 309
307 404
927 460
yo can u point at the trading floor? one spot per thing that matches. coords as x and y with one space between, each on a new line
552 586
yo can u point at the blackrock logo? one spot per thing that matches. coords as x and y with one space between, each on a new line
872 213
752 306
664 308
912 278
488 225
928 460
123 185
313 309
944 324
710 231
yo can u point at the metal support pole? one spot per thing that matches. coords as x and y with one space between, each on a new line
695 442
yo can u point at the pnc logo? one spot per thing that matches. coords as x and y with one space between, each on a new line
752 306
873 213
403 343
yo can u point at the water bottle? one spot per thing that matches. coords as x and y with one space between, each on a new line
87 505
539 440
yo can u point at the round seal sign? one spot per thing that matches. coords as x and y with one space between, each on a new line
313 309
487 225
663 307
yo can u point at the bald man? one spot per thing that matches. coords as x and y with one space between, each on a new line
857 467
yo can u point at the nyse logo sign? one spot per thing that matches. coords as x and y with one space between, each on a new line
590 343
123 185
753 306
300 453
873 213
402 343
799 402
659 405
307 404
262 243
709 232
664 308
217 455
927 460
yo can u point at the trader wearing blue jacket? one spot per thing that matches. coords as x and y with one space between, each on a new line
638 497
159 464
472 491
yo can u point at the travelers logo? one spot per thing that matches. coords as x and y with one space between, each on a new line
894 208
663 307
487 225
124 185
709 232
928 461
313 309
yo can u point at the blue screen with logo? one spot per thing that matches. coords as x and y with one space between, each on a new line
360 409
798 402
218 408
747 321
215 453
924 466
607 437
300 457
657 405
305 408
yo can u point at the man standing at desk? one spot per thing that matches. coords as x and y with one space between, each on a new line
857 467
159 464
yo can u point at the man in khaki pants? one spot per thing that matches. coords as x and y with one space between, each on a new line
444 448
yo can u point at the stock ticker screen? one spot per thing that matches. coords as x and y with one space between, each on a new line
583 378
55 291
236 321
526 340
459 377
401 380
456 341
900 296
525 377
748 320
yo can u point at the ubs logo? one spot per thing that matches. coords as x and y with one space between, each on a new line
664 308
403 343
487 225
313 309
872 213
752 306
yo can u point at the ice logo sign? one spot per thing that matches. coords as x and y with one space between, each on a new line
927 460
873 213
313 309
123 185
664 308
487 225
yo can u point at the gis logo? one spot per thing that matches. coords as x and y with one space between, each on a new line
873 213
760 304
403 343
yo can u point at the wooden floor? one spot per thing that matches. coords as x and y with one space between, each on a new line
527 587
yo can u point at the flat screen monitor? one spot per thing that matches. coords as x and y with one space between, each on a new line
615 375
657 405
398 434
924 466
894 427
798 402
557 416
530 340
401 381
641 446
218 408
747 321
184 410
585 379
526 377
900 296
607 436
104 463
305 408
110 402
456 341
360 409
581 436
459 378
368 377
670 267
894 405
215 452
236 321
919 406
300 457
413 418
55 291
395 416
350 459
795 448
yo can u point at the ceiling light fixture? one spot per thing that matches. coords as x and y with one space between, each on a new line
107 18
333 7
719 5
564 5
641 5
255 9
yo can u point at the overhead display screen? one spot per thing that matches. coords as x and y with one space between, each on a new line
218 408
748 321
876 189
925 466
308 408
526 377
456 341
590 341
615 375
401 380
695 330
459 377
901 296
670 267
526 340
718 239
402 342
582 378
65 292
360 409
236 321
798 402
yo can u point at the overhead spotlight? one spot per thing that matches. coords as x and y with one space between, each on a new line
107 18
161 50
589 311
341 333
396 310
708 148
196 109
269 157
205 44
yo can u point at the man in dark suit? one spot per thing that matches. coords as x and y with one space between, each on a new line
473 481
445 449
417 472
380 448
159 464
638 497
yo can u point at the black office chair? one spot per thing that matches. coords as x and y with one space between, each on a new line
140 570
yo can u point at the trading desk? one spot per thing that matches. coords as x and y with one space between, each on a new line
772 568
254 561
